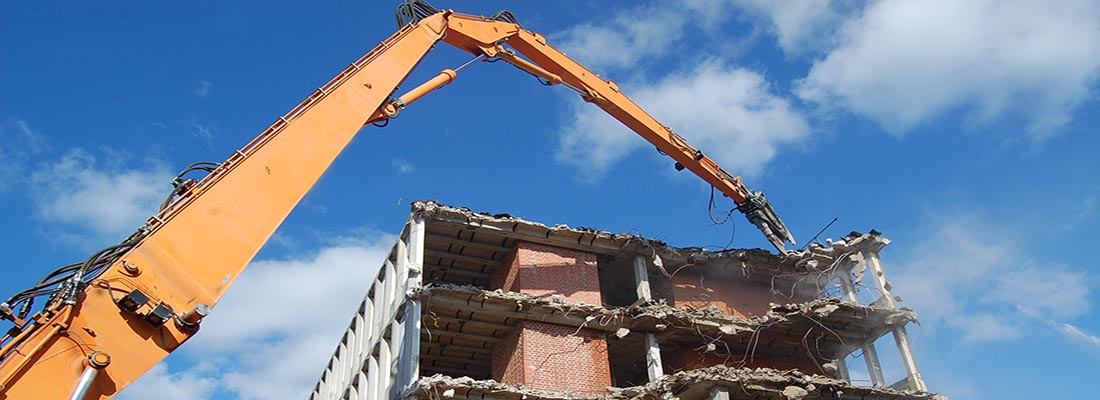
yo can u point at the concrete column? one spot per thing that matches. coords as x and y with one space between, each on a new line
901 336
842 369
870 354
653 349
719 392
653 358
641 277
874 367
409 367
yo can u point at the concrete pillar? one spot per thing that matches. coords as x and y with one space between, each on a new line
901 336
719 392
870 354
842 369
413 260
653 349
641 277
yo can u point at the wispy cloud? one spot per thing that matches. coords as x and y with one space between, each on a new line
799 27
18 145
1076 333
204 132
95 197
984 327
1052 290
970 275
402 166
1064 328
730 113
637 33
202 90
260 346
1089 208
903 63
626 38
161 384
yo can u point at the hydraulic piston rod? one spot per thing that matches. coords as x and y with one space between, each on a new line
393 108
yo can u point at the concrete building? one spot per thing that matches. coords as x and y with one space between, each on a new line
479 306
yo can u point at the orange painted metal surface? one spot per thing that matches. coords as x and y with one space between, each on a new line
197 247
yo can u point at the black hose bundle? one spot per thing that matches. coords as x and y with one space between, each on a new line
179 184
412 11
506 16
65 282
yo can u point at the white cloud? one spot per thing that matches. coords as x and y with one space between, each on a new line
731 114
625 39
798 25
904 62
287 368
1089 208
274 331
1049 291
1076 333
983 327
204 132
18 144
202 90
634 34
958 277
934 275
98 197
161 384
320 292
402 166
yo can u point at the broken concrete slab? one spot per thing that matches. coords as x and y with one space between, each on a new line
835 327
742 383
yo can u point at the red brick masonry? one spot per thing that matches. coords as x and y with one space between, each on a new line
543 270
551 357
548 356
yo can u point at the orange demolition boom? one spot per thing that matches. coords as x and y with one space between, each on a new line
114 316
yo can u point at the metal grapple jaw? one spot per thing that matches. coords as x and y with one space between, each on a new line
759 211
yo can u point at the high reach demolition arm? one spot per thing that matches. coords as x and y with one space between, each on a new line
114 316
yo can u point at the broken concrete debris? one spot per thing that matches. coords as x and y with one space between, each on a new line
759 383
474 305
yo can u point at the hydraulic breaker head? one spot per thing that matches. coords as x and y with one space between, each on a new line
759 211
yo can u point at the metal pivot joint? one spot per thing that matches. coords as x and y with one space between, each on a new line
191 319
93 364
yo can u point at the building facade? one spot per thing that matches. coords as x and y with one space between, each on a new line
478 306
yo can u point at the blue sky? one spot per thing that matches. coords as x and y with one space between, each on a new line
965 131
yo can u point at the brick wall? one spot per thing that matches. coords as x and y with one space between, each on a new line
553 357
735 297
507 358
544 270
548 356
504 276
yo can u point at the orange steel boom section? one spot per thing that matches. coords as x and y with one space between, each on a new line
188 255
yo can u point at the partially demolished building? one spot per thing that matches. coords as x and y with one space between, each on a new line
478 306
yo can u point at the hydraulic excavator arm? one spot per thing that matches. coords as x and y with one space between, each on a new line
113 317
502 38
